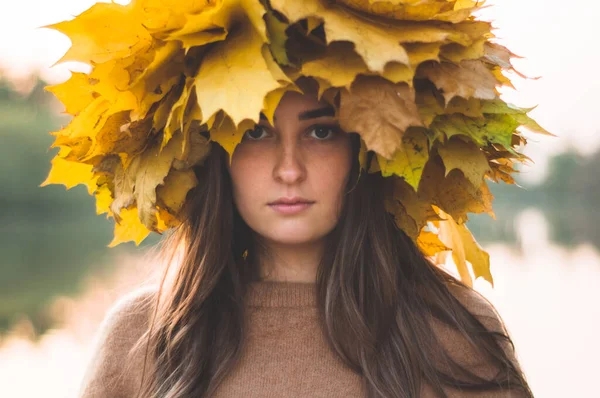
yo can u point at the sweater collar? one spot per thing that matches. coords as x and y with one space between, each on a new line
281 294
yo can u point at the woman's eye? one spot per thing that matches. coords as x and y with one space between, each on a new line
255 133
323 132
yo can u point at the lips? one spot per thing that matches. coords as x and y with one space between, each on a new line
291 201
290 205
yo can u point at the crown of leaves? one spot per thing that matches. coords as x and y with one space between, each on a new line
417 80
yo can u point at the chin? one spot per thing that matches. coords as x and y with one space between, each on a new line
294 235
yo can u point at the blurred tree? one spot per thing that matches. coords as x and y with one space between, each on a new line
50 239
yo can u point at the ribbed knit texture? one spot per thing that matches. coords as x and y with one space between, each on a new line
285 354
281 294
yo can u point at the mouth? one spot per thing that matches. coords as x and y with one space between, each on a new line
291 205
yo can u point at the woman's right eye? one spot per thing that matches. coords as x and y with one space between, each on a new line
256 133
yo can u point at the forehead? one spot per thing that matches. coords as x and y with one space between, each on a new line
293 103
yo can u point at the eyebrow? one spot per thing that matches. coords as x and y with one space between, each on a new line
311 114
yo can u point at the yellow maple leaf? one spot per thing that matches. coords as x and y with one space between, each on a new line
129 228
454 193
109 81
103 199
70 174
456 52
408 161
452 11
75 93
119 135
398 73
464 248
227 134
465 156
239 91
374 43
89 121
430 244
338 67
168 15
410 212
421 52
175 120
273 98
173 191
103 32
138 182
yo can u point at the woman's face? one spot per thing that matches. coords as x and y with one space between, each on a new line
305 159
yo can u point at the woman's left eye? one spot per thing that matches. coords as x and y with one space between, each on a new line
323 132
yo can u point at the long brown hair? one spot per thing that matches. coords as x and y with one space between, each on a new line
377 297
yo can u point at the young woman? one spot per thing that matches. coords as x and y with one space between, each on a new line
294 281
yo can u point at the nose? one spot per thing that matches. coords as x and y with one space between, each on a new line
290 167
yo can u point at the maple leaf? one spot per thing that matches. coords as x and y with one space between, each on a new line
453 11
104 198
430 244
431 104
277 37
456 53
519 115
490 129
75 93
453 193
471 78
103 32
139 180
410 212
374 43
119 135
464 248
240 91
465 156
176 109
176 186
408 162
227 134
339 66
398 73
380 112
70 173
168 15
128 227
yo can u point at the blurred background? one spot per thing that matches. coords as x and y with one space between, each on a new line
58 278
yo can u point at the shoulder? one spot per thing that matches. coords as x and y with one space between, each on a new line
479 306
127 319
459 343
132 309
117 358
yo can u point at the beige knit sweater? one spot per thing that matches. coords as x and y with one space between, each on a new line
285 355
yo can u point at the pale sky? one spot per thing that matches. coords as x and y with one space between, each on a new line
558 39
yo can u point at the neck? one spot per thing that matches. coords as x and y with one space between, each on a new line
290 262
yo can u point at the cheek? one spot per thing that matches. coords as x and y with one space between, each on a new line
248 175
330 172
